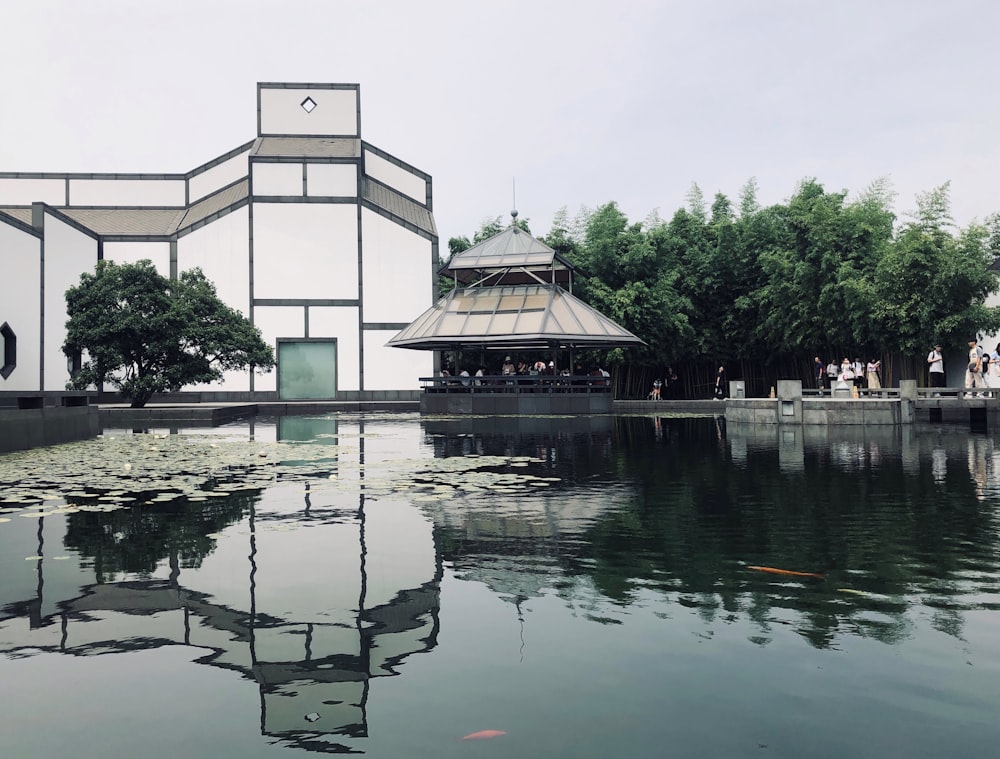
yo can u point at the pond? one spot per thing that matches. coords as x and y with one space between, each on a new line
387 585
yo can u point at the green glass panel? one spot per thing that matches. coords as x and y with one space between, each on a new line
307 370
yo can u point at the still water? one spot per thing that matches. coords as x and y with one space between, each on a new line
386 584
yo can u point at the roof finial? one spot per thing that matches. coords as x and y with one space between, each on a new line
513 195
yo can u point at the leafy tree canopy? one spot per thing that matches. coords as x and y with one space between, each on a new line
143 333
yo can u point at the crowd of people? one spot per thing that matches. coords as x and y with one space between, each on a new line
524 369
982 371
857 373
668 387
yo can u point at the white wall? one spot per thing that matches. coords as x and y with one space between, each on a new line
400 554
305 251
275 322
396 177
68 253
24 192
336 112
218 177
277 179
399 284
221 250
126 192
393 368
341 323
332 180
131 252
20 304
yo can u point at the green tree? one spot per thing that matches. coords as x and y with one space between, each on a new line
143 333
931 284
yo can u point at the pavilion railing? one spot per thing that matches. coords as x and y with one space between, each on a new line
518 383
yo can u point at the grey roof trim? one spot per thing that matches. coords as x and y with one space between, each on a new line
398 206
432 237
220 160
128 222
346 302
183 232
212 204
308 86
138 238
383 326
318 159
339 199
306 146
396 161
8 218
66 218
88 175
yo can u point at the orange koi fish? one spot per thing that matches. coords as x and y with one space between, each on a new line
791 572
483 735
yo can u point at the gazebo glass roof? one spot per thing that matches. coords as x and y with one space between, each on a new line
511 316
511 248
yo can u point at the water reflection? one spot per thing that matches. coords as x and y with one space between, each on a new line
314 587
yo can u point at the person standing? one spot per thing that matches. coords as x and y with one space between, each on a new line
719 393
674 388
874 380
819 371
831 373
935 368
859 373
974 370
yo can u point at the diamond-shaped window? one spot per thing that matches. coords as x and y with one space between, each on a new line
308 105
9 350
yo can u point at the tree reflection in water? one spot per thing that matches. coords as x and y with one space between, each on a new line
312 588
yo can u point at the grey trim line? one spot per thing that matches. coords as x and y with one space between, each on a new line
359 184
173 259
87 175
250 282
323 136
184 231
402 222
383 326
305 182
306 159
308 86
38 222
347 302
19 225
396 161
66 220
304 199
396 190
220 160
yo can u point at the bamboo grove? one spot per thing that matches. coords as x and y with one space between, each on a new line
762 290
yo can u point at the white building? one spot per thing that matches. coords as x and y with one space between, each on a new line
327 243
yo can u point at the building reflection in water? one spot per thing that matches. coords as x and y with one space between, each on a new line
313 592
311 596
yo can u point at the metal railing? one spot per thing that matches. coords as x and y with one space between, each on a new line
518 383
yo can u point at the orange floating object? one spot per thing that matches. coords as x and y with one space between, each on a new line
793 573
483 735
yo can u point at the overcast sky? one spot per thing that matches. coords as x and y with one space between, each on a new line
579 102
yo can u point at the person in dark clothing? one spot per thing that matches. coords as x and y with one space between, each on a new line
720 391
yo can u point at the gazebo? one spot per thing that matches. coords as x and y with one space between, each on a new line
513 293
